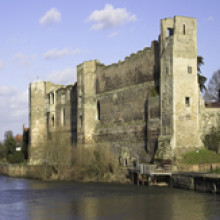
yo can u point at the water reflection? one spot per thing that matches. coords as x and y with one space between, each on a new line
31 199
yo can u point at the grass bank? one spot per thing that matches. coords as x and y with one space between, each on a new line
200 156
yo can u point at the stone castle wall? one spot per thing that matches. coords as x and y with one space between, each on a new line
113 105
149 103
53 115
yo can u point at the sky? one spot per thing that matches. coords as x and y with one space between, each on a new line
47 39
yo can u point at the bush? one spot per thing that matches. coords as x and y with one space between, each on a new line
16 157
10 145
212 140
3 152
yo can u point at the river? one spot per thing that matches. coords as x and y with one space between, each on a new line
32 199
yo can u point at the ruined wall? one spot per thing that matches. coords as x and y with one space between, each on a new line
113 99
53 114
209 119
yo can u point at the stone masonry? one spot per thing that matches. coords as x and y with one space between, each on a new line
147 106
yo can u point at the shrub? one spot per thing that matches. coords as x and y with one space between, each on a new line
3 151
16 157
10 145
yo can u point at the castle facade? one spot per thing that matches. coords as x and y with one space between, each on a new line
147 106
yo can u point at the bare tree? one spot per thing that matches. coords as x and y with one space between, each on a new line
8 134
212 93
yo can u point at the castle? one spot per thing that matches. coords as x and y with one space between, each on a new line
147 106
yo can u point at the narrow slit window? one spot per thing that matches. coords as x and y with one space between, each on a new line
52 98
81 120
53 122
167 70
189 69
184 29
98 110
187 101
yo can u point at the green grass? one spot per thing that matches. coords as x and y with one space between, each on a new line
216 171
200 156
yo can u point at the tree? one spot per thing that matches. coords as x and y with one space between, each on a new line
12 155
212 93
8 134
201 79
10 145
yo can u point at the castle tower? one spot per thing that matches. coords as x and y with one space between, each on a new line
38 121
179 91
87 104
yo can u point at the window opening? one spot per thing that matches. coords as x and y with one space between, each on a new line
48 117
187 102
98 111
52 98
167 70
80 117
53 121
184 29
169 32
189 69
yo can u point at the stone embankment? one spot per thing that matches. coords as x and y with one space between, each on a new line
196 181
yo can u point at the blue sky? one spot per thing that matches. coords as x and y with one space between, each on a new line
49 38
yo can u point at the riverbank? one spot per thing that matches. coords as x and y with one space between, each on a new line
48 173
203 182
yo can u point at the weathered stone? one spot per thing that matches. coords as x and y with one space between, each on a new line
150 102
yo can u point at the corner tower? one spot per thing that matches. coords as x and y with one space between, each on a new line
179 90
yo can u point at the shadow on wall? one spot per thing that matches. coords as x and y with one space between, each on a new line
152 111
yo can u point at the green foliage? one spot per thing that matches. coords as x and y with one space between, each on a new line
10 145
201 156
201 79
3 152
16 157
12 155
217 170
212 140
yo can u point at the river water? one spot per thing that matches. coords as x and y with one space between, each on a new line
31 199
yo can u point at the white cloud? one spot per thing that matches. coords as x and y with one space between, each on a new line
113 34
210 18
1 64
51 16
14 109
21 59
66 76
55 54
110 17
